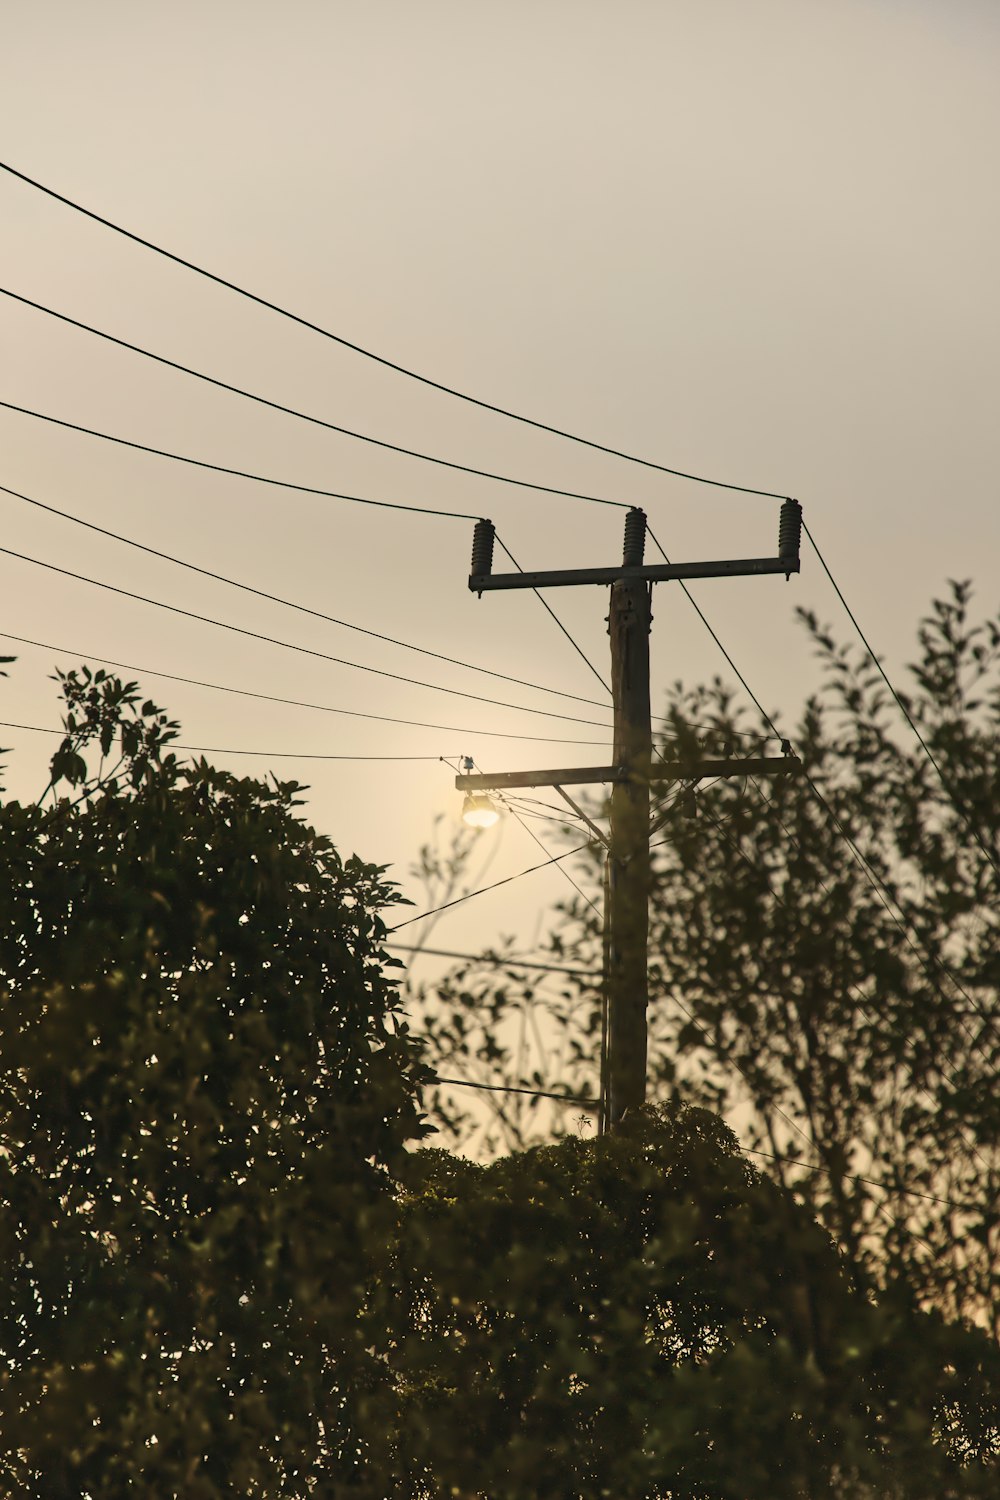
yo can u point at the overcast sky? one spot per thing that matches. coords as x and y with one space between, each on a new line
752 239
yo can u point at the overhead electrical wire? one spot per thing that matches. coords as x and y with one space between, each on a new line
853 1177
459 900
547 607
974 1009
291 411
859 858
324 708
369 354
318 614
290 646
172 745
512 1088
422 379
481 891
475 401
696 607
496 959
970 826
201 463
584 1101
862 999
532 835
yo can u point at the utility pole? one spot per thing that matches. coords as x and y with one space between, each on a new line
627 874
627 911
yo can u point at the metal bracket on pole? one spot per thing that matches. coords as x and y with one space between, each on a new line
581 814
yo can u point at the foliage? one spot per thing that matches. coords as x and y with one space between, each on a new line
645 1315
824 963
206 1085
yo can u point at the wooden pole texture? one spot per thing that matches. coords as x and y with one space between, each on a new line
628 626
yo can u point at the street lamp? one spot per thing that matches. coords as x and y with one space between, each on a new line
478 811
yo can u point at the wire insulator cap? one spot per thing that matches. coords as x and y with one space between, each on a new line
790 535
635 538
482 552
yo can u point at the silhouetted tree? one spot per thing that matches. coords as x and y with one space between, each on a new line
205 1086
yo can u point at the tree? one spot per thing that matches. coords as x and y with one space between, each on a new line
824 963
645 1315
206 1085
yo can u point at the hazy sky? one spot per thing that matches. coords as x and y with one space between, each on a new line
756 239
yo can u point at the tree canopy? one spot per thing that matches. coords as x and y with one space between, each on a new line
228 1274
646 1315
206 1088
823 963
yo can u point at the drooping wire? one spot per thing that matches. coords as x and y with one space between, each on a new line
291 411
860 859
507 880
776 896
689 1014
225 750
511 1088
853 1177
496 959
318 614
696 607
370 354
576 697
901 705
549 610
290 646
324 708
988 1021
532 835
585 1102
201 463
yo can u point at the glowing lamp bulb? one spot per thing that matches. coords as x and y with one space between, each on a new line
478 811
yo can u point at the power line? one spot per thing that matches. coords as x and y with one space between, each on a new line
532 835
548 608
900 704
484 888
458 900
860 859
201 463
290 646
851 987
217 750
853 1177
576 697
587 1103
291 411
369 354
697 608
318 614
973 1009
496 959
324 708
510 1088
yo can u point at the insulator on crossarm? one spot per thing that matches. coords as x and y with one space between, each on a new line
482 551
790 535
635 538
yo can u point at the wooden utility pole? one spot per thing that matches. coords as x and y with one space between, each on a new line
625 977
627 875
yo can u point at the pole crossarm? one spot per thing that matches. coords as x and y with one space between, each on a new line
653 573
761 765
